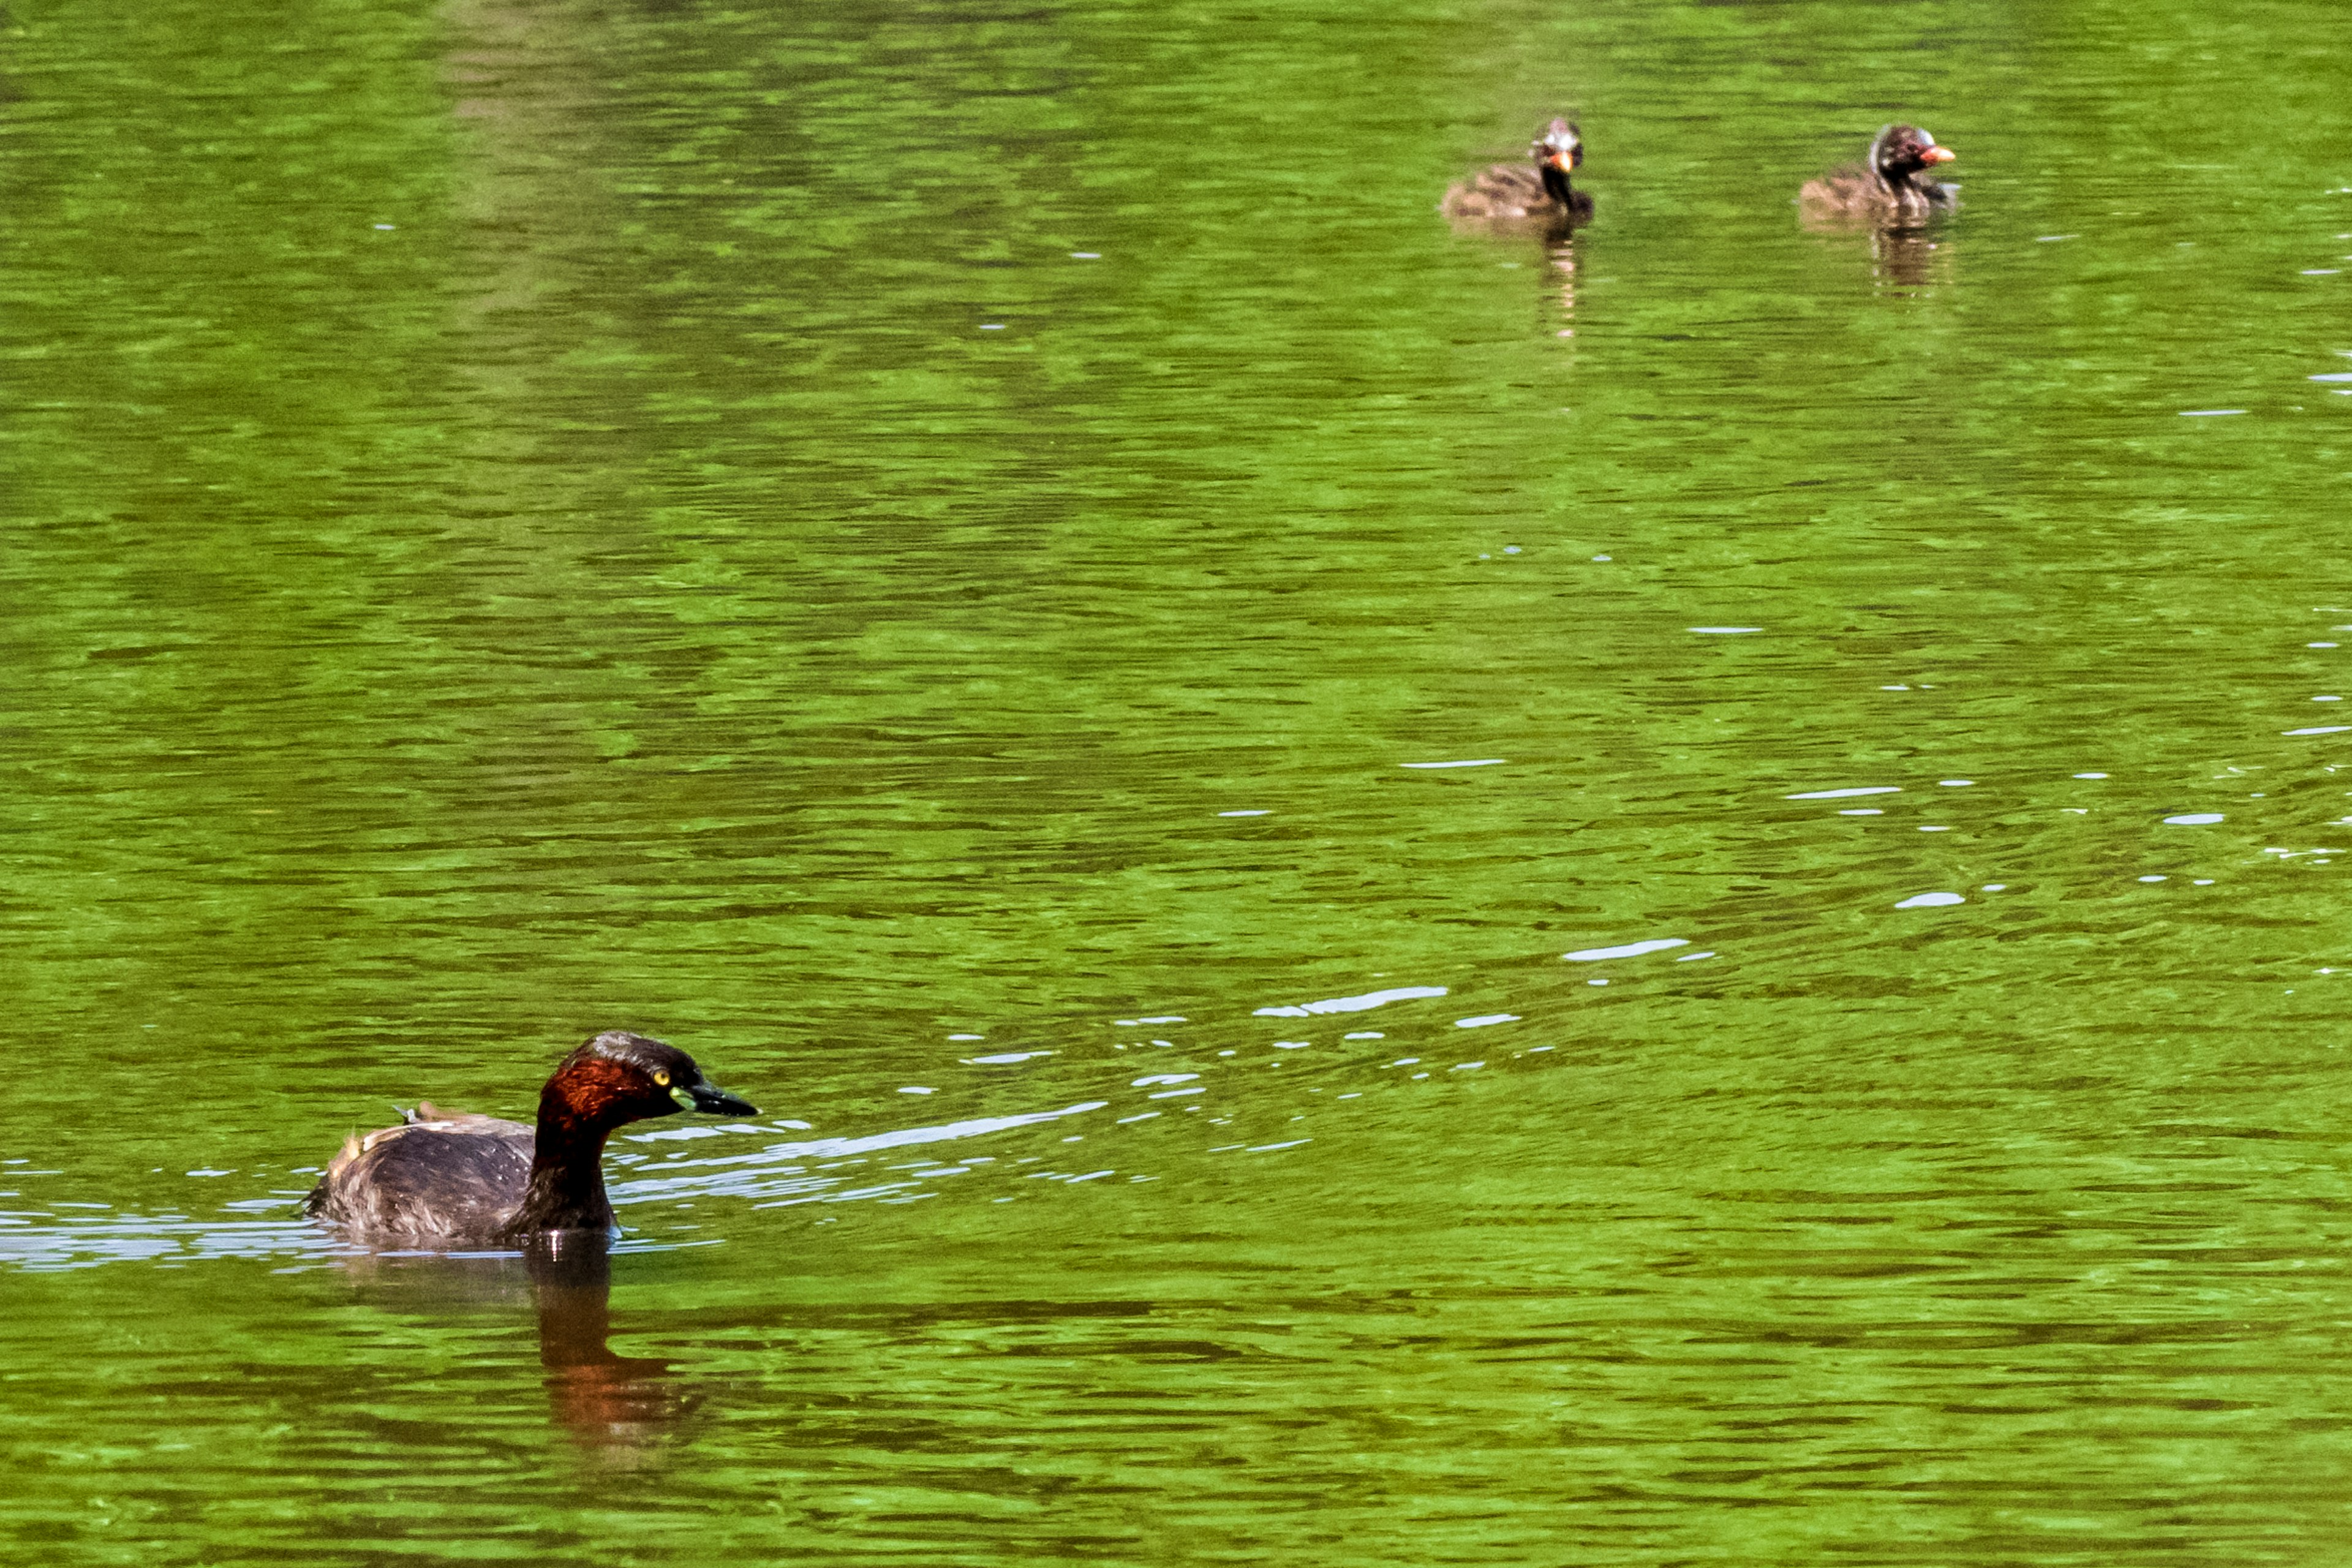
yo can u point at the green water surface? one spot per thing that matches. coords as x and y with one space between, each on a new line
927 555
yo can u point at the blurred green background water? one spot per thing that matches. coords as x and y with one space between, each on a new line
801 530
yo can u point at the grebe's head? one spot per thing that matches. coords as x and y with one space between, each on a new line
1902 150
1559 147
619 1077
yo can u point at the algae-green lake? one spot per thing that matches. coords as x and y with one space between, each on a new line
1395 895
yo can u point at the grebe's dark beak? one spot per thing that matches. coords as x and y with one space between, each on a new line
710 1099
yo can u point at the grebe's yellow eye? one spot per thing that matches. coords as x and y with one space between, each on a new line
661 1077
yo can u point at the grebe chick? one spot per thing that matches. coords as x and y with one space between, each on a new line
1890 186
450 1177
1538 190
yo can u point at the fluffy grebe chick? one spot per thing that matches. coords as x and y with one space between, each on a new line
446 1177
1539 190
1889 186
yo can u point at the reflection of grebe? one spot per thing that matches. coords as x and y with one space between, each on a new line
1562 254
444 1177
1889 186
1540 191
614 1403
1907 257
617 1405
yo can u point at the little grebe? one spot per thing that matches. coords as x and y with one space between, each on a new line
446 1176
1891 186
1540 191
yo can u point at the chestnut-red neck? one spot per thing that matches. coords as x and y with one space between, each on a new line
577 1112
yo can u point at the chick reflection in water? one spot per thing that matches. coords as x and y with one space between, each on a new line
1909 258
1562 254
